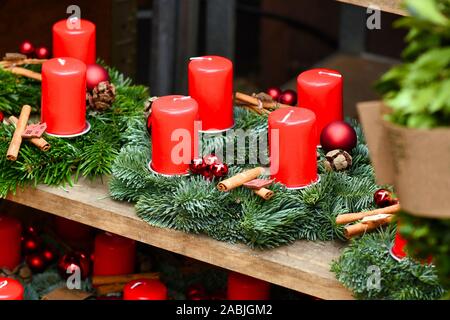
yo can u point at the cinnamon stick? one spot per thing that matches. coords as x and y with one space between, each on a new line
254 101
370 224
16 141
239 179
41 143
109 280
26 73
264 193
352 217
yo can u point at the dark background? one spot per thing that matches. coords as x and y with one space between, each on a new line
270 42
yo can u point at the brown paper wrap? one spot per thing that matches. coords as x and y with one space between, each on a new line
16 141
41 143
239 179
64 293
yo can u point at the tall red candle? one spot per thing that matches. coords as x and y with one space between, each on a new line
292 141
63 105
398 249
10 245
241 287
10 289
211 85
72 231
321 91
173 134
145 289
74 42
113 255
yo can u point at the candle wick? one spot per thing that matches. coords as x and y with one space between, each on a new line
286 117
330 74
182 98
62 61
200 58
137 284
3 284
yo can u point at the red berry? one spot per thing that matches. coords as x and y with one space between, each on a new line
1 116
219 170
197 166
42 52
211 159
274 92
26 48
288 97
36 262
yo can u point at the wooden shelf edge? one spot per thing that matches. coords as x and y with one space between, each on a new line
391 6
302 266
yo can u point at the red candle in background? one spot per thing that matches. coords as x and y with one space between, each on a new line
113 255
173 134
292 141
10 242
63 105
241 287
76 42
398 249
145 289
72 231
320 90
211 85
10 289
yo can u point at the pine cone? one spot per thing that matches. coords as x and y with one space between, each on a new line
102 96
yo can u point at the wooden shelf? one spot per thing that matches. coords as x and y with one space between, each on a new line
303 266
392 6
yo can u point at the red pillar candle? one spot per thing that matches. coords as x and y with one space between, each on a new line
321 91
113 255
211 85
398 249
292 141
10 242
145 289
63 105
241 287
173 134
74 42
72 231
10 289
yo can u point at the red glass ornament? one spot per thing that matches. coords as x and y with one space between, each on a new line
26 47
211 159
1 116
36 262
288 97
69 262
31 243
196 292
197 166
42 52
274 92
94 75
219 170
30 230
383 198
338 135
49 255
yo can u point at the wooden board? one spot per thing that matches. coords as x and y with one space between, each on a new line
392 6
303 266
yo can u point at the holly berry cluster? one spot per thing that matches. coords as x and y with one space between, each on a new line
27 48
288 97
37 256
209 166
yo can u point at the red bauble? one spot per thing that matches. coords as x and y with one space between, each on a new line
384 198
49 255
94 75
30 230
42 52
219 170
197 166
31 244
288 97
1 116
36 262
338 135
69 262
196 292
274 92
211 159
26 48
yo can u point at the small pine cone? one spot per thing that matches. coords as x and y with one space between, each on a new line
102 96
337 160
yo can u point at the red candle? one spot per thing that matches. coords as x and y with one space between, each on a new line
10 242
211 85
113 255
398 249
173 134
10 289
72 231
145 289
241 287
292 141
320 90
63 105
74 42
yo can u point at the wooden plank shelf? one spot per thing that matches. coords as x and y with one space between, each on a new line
303 266
392 6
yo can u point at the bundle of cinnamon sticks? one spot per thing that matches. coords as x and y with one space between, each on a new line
370 220
260 103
